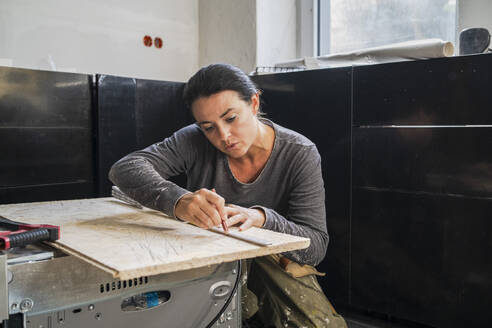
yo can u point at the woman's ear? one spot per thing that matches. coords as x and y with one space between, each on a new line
255 102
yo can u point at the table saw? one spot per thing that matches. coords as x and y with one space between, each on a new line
118 266
44 288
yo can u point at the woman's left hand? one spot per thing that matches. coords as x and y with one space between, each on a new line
249 217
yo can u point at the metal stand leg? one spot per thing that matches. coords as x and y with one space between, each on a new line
4 288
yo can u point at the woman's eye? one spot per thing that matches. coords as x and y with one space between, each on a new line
208 128
230 119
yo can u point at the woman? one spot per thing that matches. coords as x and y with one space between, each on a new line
248 171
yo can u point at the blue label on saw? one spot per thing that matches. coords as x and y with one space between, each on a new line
152 299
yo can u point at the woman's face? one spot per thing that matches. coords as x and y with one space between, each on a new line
227 121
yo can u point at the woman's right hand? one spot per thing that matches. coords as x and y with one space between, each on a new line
203 208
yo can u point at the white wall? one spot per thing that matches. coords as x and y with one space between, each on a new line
106 36
228 33
473 13
277 31
247 33
307 28
101 36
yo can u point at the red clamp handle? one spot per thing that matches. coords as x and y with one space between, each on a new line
21 234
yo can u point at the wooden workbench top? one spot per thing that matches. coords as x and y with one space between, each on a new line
129 243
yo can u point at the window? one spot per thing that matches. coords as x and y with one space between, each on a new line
347 25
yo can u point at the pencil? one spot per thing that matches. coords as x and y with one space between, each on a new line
224 225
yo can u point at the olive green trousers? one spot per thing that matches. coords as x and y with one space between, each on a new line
285 297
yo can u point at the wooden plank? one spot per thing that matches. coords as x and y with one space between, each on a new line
129 243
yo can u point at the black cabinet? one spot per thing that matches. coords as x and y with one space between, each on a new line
408 174
422 190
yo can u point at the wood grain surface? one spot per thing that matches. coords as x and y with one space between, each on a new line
129 243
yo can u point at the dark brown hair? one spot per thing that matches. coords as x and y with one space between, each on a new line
215 78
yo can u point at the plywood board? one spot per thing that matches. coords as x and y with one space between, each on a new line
128 242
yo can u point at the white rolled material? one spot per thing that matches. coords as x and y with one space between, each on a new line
410 50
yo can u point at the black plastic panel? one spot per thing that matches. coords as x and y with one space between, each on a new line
36 99
116 124
317 105
426 92
47 192
134 114
160 110
424 258
46 133
437 160
36 156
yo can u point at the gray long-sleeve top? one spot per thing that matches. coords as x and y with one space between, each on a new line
290 188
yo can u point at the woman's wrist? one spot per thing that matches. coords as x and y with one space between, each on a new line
176 206
261 217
